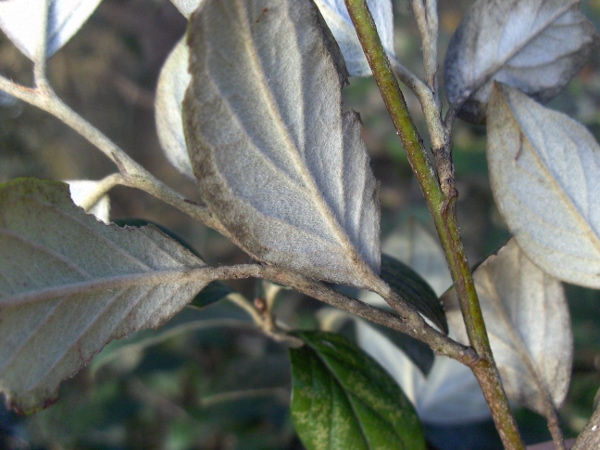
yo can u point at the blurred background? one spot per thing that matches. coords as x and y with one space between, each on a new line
209 380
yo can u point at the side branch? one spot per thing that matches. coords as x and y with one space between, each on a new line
133 175
410 322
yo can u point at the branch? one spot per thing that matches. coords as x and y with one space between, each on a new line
101 189
39 58
425 12
590 436
133 175
408 322
442 208
429 104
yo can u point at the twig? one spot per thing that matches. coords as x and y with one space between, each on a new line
590 436
39 58
281 393
428 102
133 174
101 189
409 322
425 12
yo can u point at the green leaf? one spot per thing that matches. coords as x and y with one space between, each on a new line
69 284
212 293
341 398
414 289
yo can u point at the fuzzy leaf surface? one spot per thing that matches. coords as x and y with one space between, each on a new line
23 21
536 46
528 323
338 20
275 159
341 398
172 83
70 284
545 175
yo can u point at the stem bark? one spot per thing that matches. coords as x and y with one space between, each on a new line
441 204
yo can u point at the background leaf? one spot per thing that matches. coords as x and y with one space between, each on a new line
336 15
528 323
341 322
411 243
80 189
414 290
70 284
23 22
276 161
545 175
172 83
186 7
342 399
449 393
536 46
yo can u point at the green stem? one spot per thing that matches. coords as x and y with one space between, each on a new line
441 204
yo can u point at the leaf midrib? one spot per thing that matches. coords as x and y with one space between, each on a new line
322 207
200 274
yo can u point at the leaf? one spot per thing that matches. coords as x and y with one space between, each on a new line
212 293
69 284
414 290
527 319
336 15
186 7
24 22
172 83
536 46
545 175
80 189
342 399
412 244
277 163
448 395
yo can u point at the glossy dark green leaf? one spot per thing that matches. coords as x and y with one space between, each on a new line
414 289
341 399
212 293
